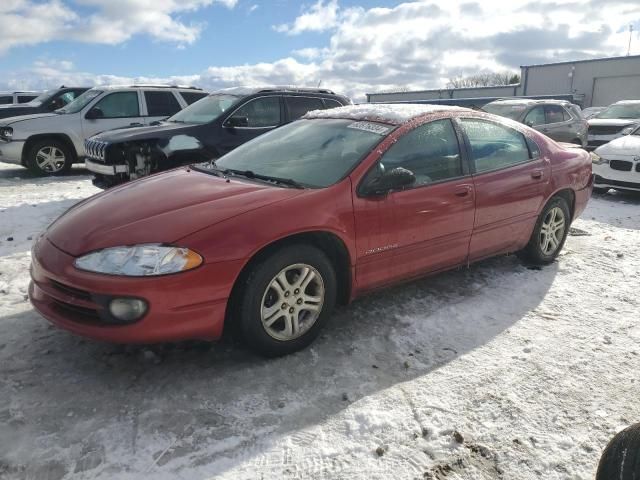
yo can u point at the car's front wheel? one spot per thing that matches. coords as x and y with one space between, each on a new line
286 300
549 233
49 157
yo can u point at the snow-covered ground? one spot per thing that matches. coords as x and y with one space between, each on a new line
492 372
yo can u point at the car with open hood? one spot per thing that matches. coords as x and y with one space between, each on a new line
268 238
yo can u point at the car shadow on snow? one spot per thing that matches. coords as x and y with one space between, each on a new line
617 208
76 405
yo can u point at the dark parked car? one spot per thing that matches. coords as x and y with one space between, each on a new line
267 239
45 103
203 131
557 119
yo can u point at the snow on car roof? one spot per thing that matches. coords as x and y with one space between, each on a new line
394 113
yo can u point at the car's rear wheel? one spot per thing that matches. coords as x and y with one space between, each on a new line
286 300
49 157
621 458
549 234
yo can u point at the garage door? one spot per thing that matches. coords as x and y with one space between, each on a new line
607 90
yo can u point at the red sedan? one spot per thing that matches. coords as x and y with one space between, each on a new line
272 235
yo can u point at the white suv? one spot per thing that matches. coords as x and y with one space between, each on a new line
49 143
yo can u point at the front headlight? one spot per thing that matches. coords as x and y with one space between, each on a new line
596 159
140 260
6 133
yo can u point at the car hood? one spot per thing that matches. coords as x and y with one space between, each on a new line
627 145
612 122
24 118
165 129
161 208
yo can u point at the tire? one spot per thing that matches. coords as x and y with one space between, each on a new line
545 244
621 458
282 305
49 157
600 190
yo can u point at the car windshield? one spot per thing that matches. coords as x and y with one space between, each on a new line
80 102
40 99
206 109
621 111
505 110
313 153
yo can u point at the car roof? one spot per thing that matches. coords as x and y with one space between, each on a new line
147 86
393 113
252 90
627 102
531 101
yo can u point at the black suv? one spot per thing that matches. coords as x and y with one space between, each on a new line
203 131
45 103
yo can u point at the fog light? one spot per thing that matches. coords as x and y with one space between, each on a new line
127 309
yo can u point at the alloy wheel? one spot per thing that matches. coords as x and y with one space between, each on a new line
50 159
552 231
292 302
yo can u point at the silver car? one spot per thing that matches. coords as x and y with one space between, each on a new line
49 143
615 121
557 119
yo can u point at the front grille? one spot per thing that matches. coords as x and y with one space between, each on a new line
621 165
74 292
604 129
95 149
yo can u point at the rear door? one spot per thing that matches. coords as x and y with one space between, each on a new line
558 124
115 109
251 119
296 107
510 177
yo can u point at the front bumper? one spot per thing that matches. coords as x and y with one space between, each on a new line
103 169
188 305
11 152
625 173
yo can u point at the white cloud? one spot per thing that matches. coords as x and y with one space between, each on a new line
25 22
321 16
415 45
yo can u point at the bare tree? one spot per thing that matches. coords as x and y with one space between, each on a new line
488 79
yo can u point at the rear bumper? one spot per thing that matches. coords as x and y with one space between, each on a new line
103 169
11 152
582 198
189 305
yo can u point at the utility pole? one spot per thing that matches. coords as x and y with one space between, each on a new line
630 34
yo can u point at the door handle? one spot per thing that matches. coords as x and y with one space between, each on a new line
536 174
462 190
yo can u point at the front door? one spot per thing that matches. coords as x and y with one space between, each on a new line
425 227
510 177
250 120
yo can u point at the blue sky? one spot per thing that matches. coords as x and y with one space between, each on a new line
350 45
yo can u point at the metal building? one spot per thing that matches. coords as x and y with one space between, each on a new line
594 82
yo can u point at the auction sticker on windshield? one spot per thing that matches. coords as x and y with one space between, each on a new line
370 127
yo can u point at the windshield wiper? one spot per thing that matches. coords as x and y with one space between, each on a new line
267 178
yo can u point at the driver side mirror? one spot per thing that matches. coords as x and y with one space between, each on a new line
94 113
395 179
237 121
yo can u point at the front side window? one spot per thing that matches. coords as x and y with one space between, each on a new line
315 153
258 113
68 97
554 113
298 106
330 103
161 104
119 105
430 152
494 146
535 116
80 102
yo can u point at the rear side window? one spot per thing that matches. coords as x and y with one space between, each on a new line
25 98
192 97
119 105
554 113
161 104
430 151
259 113
494 146
298 106
329 103
6 99
535 117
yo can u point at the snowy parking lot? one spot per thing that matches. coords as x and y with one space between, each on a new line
493 372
